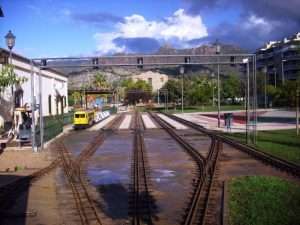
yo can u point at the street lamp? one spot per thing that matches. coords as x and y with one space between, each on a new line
275 77
213 89
282 70
182 73
10 42
265 73
218 51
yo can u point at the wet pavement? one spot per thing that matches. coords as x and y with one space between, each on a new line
171 175
109 172
77 140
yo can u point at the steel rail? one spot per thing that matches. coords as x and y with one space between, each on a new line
271 160
141 195
79 189
206 167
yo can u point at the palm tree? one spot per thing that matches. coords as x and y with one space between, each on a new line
100 81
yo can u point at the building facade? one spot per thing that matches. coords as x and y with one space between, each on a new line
54 88
156 80
280 60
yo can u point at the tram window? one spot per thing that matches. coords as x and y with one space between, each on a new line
79 115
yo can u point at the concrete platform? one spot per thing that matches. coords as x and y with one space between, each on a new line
172 122
148 122
102 124
126 122
212 123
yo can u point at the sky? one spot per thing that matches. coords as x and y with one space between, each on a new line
60 28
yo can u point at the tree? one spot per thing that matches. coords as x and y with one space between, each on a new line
136 91
8 78
198 90
231 88
74 98
100 81
174 89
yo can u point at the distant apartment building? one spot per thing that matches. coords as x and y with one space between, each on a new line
53 86
280 60
155 79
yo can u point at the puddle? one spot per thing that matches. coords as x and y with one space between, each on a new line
103 177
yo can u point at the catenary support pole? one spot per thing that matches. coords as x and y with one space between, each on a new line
248 105
41 109
182 76
219 103
33 141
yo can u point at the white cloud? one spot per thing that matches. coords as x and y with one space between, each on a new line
180 27
258 23
105 44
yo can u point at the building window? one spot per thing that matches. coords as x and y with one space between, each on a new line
150 81
18 98
49 104
65 101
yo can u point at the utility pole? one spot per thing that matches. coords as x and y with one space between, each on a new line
218 51
182 76
265 73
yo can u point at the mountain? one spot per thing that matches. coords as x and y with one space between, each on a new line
201 50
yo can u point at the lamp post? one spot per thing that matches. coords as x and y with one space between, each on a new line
213 89
10 42
275 77
218 51
282 70
182 74
265 91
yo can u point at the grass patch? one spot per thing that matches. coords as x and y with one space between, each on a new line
259 200
284 144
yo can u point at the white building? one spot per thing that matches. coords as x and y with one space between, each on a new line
54 88
156 80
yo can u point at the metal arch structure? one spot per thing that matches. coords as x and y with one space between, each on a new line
144 61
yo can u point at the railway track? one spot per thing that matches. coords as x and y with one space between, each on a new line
74 171
140 201
87 211
198 210
269 159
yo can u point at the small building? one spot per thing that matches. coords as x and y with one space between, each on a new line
155 79
54 88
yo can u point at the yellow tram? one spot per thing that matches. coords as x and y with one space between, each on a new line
83 119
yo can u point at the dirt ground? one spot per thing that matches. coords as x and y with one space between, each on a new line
39 201
24 159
